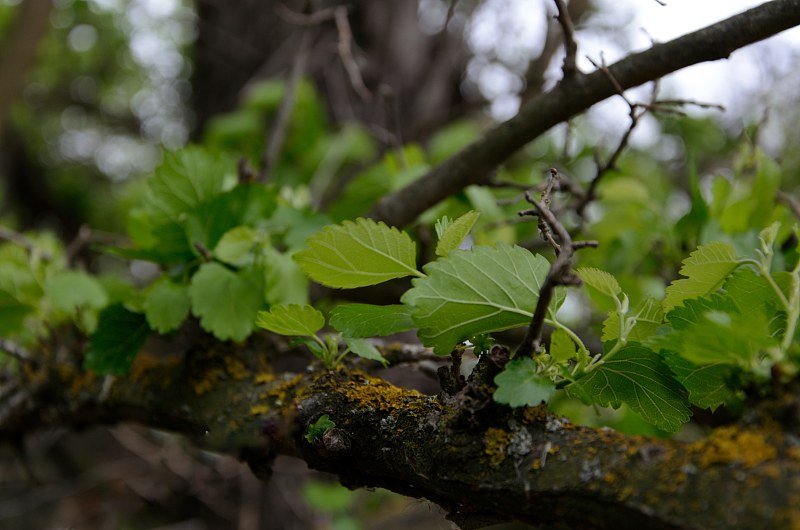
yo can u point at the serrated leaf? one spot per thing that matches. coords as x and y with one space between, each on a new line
185 179
477 291
600 280
519 385
748 288
705 269
291 320
113 346
166 305
707 384
562 347
366 320
364 348
639 378
226 301
357 254
455 232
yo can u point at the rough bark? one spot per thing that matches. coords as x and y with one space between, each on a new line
575 94
481 461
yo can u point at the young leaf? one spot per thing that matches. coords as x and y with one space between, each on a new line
235 247
707 384
649 318
119 336
562 348
166 305
600 280
356 254
455 232
185 179
705 269
284 282
519 385
638 377
226 301
365 320
473 292
318 428
364 348
292 320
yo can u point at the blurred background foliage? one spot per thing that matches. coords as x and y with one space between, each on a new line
115 83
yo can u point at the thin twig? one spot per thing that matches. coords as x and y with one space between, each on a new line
277 133
570 66
305 19
789 201
11 236
345 49
15 350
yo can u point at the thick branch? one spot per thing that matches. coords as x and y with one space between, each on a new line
473 457
576 94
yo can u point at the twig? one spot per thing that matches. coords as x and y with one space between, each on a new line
305 19
18 239
78 243
346 54
789 201
570 66
16 351
560 270
277 133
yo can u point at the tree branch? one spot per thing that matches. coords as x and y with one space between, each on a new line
521 464
574 95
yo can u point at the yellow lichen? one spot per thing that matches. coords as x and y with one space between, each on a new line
495 444
264 377
210 378
378 394
731 444
257 410
236 368
279 392
537 414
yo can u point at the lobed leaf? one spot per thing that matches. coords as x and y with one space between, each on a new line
519 385
226 301
705 269
166 305
638 377
473 292
357 254
292 320
70 290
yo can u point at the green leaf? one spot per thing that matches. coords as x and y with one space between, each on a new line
649 318
562 347
364 348
70 290
166 305
209 221
119 336
185 179
318 428
767 236
284 282
292 320
356 254
600 280
707 384
235 247
12 313
455 232
519 385
705 269
638 377
749 289
473 292
366 320
226 301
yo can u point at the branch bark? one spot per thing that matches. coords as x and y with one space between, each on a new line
481 461
576 94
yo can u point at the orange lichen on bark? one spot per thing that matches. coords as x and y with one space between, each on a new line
537 414
376 393
264 377
257 410
495 445
732 445
236 369
210 378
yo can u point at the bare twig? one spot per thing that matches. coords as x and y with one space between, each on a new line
560 270
346 54
570 66
16 351
789 201
277 132
305 19
78 243
18 239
